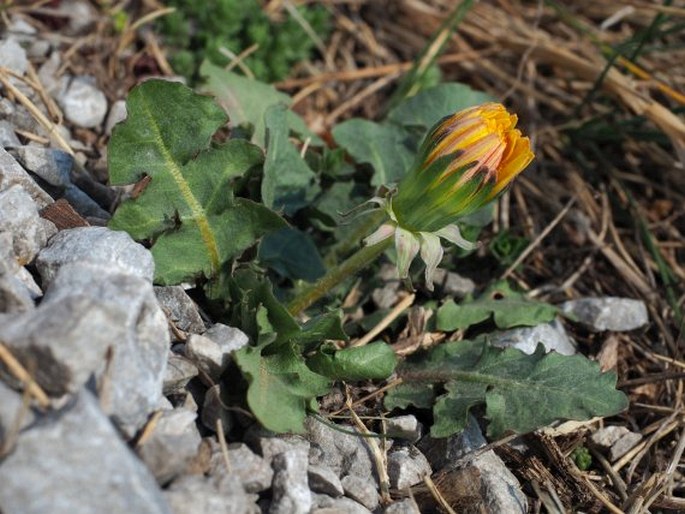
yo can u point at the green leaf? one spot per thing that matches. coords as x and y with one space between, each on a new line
420 395
372 361
246 101
521 392
187 209
281 386
318 329
292 253
507 307
383 146
288 184
430 105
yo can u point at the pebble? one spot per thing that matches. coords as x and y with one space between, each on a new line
8 137
228 338
607 313
86 206
617 439
327 505
290 487
53 166
15 297
406 506
552 335
12 173
196 494
95 245
453 284
133 327
13 414
361 490
268 444
343 453
325 481
19 217
407 466
254 472
207 356
499 488
172 445
117 114
83 103
74 462
179 371
180 309
13 56
405 427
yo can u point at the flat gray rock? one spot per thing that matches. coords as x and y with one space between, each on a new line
8 137
136 332
98 246
13 415
608 313
13 56
196 494
85 205
406 506
73 462
207 356
552 335
228 338
405 427
83 103
52 165
254 472
290 488
362 490
172 445
325 481
407 466
180 309
344 454
179 371
19 217
326 505
12 173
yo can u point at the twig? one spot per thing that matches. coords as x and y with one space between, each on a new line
20 373
398 309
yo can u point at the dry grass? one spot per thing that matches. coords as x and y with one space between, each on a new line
599 86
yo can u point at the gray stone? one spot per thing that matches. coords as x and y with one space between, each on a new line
228 338
325 481
195 494
179 371
83 103
172 445
552 335
73 462
15 297
20 30
213 410
290 488
617 439
326 505
207 356
405 427
53 166
13 56
38 49
117 114
17 115
268 444
19 216
453 284
8 138
135 329
499 489
85 205
254 472
361 490
81 15
95 245
14 416
406 506
608 313
407 466
180 309
63 343
345 454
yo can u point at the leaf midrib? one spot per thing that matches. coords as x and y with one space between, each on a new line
197 212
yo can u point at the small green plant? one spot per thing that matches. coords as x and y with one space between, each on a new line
206 202
218 29
582 457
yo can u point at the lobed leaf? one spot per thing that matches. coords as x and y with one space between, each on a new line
187 209
373 361
521 392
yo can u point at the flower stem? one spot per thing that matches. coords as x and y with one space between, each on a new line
363 257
